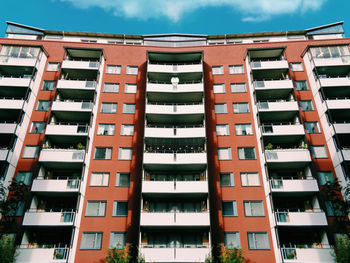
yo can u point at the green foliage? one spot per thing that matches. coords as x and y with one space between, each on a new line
234 255
226 255
115 255
342 249
8 252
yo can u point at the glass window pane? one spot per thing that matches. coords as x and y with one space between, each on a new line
129 108
127 130
220 108
312 127
37 127
219 88
325 178
224 154
232 240
301 85
53 66
30 151
131 70
244 129
238 87
117 240
48 85
95 208
236 69
99 179
250 179
105 129
120 208
111 87
241 107
125 153
103 153
123 179
24 177
130 88
43 105
217 70
91 241
226 179
222 130
113 69
107 107
319 151
229 208
306 105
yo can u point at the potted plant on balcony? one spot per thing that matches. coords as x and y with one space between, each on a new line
269 146
80 146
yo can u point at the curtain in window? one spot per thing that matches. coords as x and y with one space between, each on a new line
127 129
224 153
222 129
232 240
117 240
130 88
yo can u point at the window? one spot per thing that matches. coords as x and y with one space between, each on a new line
43 105
301 85
217 70
222 130
335 208
53 66
24 177
258 241
18 210
236 69
88 40
244 129
240 107
250 179
95 208
111 87
91 240
48 85
254 208
125 153
120 208
330 52
127 130
105 129
219 88
103 153
113 69
22 52
312 127
306 105
130 88
117 240
220 108
232 240
319 151
325 177
224 154
238 87
246 153
129 108
297 66
108 107
37 127
132 70
226 179
99 179
123 179
30 151
229 208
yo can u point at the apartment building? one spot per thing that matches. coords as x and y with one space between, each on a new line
175 144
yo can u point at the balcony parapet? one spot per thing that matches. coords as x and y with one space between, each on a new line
28 253
294 185
304 254
311 217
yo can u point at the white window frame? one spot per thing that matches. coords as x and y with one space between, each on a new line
296 66
224 154
243 129
30 152
217 70
237 109
53 66
100 211
219 110
253 238
235 235
222 130
106 129
316 151
219 88
238 87
130 88
127 130
127 107
112 240
247 179
249 210
97 240
132 70
236 69
110 87
121 156
112 107
104 179
113 69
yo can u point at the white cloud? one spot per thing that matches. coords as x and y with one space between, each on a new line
251 10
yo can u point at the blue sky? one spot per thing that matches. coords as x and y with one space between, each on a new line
175 16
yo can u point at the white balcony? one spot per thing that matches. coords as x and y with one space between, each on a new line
33 218
329 62
172 219
346 154
180 88
67 129
301 218
41 255
166 68
76 106
11 103
7 128
283 130
273 64
169 160
77 64
174 132
76 84
13 61
3 154
178 187
273 84
175 109
292 157
277 106
342 128
14 82
307 255
335 82
293 185
167 255
338 104
60 156
56 185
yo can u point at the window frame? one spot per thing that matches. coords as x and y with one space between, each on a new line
236 108
224 109
232 179
225 126
96 238
125 108
37 122
122 129
103 147
48 69
238 239
132 68
101 204
238 84
121 245
220 68
313 147
234 208
30 157
229 151
115 208
245 154
255 241
120 153
118 176
296 82
41 106
46 82
126 91
104 125
117 71
307 107
111 84
102 110
244 130
219 88
102 179
232 72
251 210
246 180
296 66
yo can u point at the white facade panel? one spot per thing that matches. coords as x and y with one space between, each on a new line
301 219
274 64
294 185
56 129
172 187
14 82
179 158
67 185
273 84
292 129
278 106
175 254
76 84
11 104
72 106
62 155
180 88
288 155
75 64
48 219
175 109
175 219
163 68
174 133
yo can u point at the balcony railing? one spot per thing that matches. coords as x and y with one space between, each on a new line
294 185
59 184
318 253
297 217
49 217
43 253
174 187
175 218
